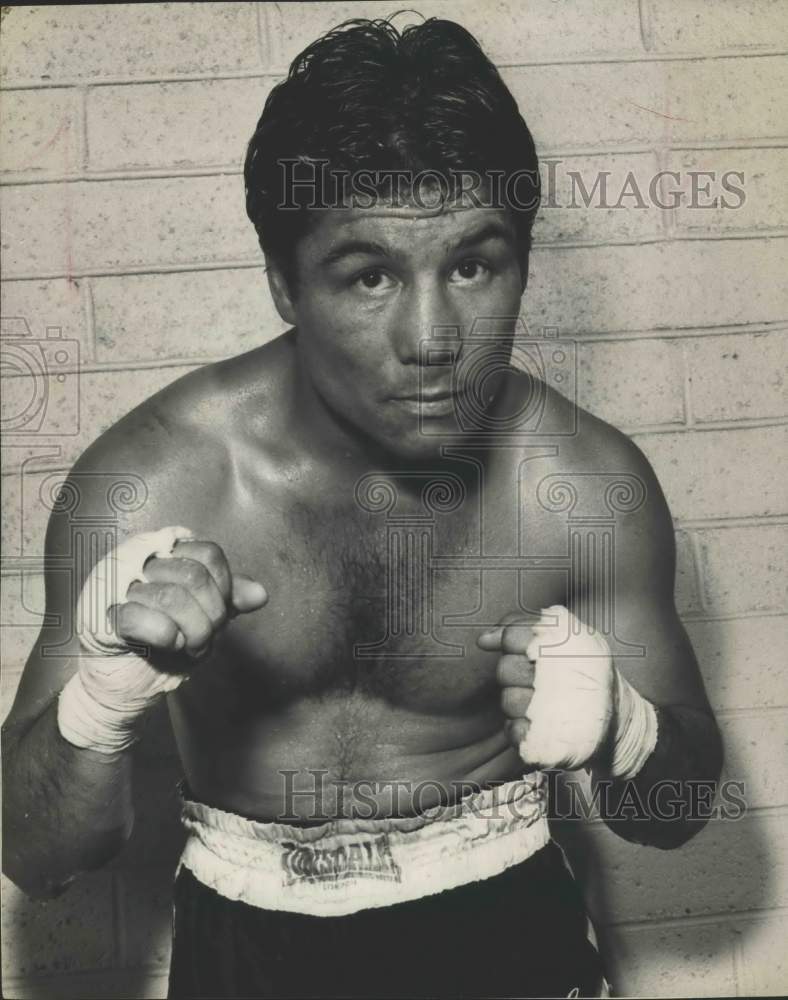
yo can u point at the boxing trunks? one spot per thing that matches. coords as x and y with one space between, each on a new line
472 899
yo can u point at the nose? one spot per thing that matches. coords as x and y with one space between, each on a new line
425 310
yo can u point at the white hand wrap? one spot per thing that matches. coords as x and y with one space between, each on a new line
100 706
578 695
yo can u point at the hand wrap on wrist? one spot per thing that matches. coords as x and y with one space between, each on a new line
582 705
636 730
100 706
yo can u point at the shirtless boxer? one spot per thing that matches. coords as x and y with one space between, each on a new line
363 800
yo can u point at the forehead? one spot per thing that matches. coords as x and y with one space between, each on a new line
407 229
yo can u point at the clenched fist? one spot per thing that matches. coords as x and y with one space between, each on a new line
164 590
564 698
185 599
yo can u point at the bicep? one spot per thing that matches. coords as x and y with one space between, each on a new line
650 644
53 658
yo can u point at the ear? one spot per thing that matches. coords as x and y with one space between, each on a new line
280 292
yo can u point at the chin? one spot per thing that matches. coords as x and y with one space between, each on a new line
417 447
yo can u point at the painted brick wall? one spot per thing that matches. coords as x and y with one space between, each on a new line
123 230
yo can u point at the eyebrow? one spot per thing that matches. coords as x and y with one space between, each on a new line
350 248
490 231
370 248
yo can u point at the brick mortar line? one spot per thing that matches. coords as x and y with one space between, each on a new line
750 423
71 82
737 953
279 72
181 268
96 368
263 34
745 521
631 430
651 57
132 364
722 144
685 234
758 521
18 178
90 318
128 174
724 916
779 809
747 711
667 216
677 333
231 264
743 423
710 617
681 333
82 104
645 26
679 524
237 264
686 386
697 568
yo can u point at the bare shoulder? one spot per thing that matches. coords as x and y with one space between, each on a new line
608 466
583 440
175 451
627 480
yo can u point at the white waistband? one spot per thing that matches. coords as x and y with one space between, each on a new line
348 865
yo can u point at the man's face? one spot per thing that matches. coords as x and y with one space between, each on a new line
374 284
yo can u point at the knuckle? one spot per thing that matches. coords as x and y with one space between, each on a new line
512 702
214 560
507 669
214 555
123 618
517 729
193 574
169 596
162 635
218 616
201 634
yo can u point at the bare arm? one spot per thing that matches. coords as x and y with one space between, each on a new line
665 804
65 809
67 802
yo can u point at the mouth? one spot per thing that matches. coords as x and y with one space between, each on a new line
430 403
429 396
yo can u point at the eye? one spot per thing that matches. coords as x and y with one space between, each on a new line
373 280
470 270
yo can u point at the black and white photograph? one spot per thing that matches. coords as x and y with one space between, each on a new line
394 499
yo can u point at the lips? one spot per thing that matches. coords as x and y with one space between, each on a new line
429 396
430 404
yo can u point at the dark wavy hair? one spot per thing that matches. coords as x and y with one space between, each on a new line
366 96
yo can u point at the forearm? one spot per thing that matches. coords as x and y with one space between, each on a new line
65 809
667 802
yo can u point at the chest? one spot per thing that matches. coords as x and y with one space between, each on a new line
386 605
